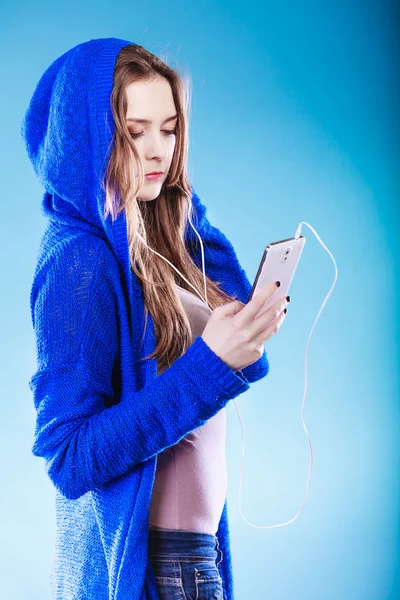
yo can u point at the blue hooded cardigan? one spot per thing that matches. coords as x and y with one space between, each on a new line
102 415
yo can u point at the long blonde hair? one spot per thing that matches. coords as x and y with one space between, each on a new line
161 222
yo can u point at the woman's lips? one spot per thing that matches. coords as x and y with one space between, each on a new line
154 177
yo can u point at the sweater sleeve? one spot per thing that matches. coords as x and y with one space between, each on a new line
85 438
222 265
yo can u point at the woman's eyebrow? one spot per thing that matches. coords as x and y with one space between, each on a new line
148 121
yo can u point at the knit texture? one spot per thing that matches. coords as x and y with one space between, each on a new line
102 415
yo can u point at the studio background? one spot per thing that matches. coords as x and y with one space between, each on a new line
294 118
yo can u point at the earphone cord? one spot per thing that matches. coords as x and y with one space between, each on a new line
297 235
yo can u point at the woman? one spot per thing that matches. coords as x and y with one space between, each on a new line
135 366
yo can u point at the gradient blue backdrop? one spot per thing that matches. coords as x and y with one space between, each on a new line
294 117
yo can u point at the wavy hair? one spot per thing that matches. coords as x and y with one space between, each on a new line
161 222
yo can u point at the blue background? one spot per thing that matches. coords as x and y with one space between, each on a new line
294 118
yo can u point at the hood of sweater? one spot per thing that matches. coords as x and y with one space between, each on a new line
68 131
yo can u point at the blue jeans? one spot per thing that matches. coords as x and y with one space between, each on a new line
185 564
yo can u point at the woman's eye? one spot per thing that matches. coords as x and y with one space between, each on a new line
167 132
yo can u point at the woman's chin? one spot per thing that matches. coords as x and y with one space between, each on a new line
151 193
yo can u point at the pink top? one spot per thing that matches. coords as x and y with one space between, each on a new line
191 479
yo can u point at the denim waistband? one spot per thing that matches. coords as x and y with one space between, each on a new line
177 543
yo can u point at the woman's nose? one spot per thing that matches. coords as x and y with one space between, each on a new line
156 148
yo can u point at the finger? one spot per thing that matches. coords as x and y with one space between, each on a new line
271 330
249 311
230 308
268 316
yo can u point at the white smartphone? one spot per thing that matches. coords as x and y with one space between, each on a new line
278 263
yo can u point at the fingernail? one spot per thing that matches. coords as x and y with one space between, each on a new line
288 298
277 283
285 310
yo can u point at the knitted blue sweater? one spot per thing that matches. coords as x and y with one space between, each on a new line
102 414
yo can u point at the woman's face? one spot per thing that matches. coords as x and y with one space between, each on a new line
150 108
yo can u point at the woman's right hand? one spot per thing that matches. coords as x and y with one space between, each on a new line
236 336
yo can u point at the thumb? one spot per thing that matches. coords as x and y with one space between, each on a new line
231 308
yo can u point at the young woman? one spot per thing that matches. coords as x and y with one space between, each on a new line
143 332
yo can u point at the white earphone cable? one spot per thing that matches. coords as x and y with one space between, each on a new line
298 232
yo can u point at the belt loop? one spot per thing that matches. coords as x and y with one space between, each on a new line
216 547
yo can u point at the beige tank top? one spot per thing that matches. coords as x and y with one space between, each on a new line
190 484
